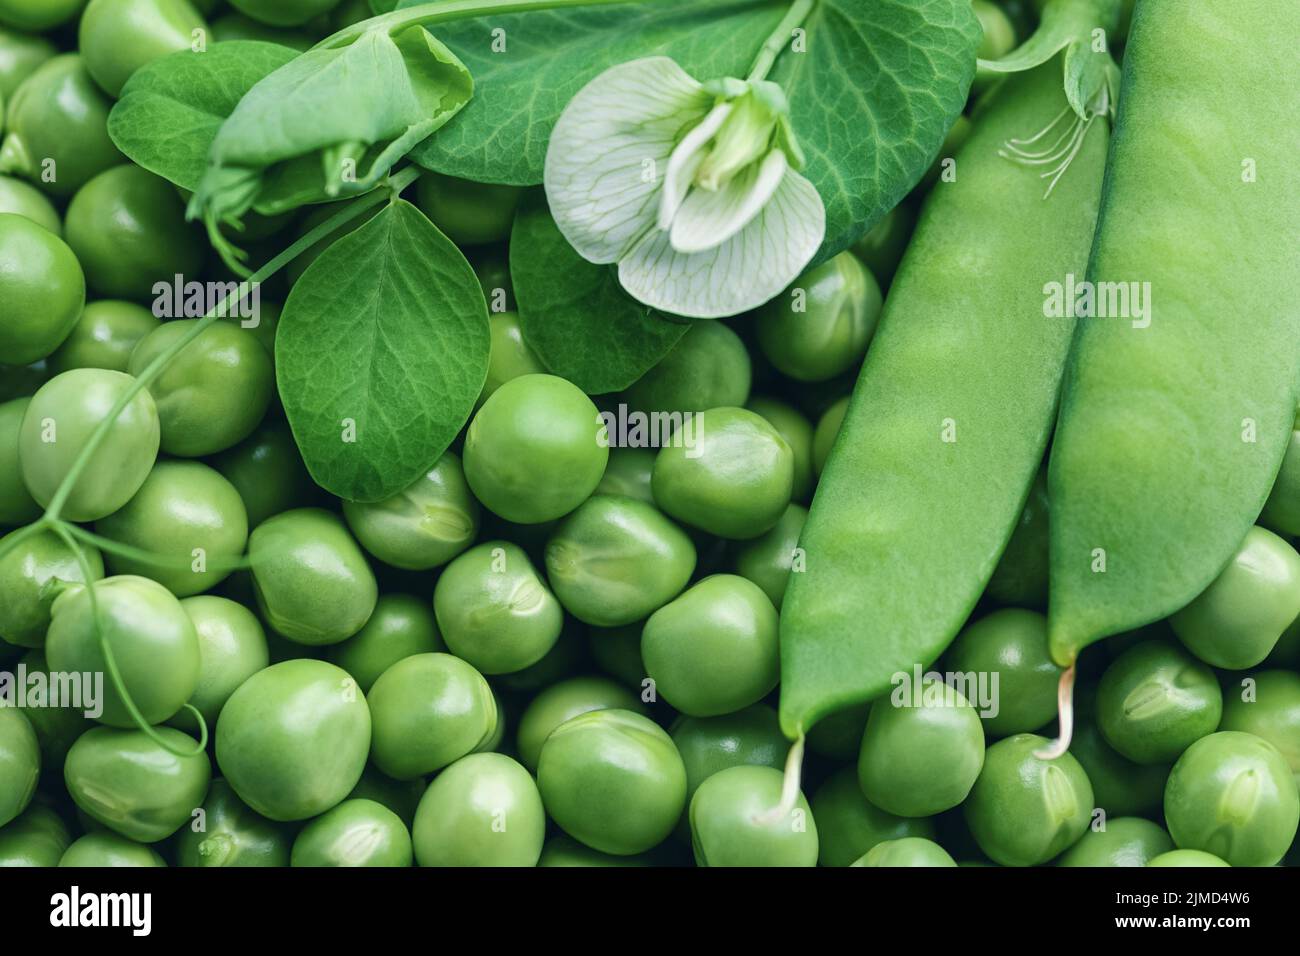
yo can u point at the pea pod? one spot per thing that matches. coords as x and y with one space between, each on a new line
1173 425
951 413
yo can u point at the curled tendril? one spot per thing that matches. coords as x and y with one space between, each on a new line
1064 148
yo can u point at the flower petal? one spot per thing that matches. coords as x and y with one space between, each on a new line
685 161
741 274
607 153
707 219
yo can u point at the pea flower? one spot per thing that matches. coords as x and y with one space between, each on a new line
329 123
692 188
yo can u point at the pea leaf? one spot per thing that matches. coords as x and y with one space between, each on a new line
575 315
170 110
872 95
380 353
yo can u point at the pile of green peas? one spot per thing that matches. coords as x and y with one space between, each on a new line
552 649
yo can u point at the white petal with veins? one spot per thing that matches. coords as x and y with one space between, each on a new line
707 219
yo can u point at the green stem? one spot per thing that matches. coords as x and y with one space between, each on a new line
778 39
110 662
143 556
14 538
448 10
395 185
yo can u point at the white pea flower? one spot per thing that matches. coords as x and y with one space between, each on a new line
692 188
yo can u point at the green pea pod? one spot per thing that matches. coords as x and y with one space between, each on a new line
952 411
329 123
1174 420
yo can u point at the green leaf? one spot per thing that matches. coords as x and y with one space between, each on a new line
387 330
575 315
170 110
872 97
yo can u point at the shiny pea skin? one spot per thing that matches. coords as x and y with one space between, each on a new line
562 701
104 337
20 54
429 710
1012 644
709 367
1020 578
117 37
908 851
1150 466
730 823
616 560
1267 704
99 850
292 740
36 838
24 199
1235 622
424 526
1023 810
509 355
1120 787
733 478
1125 841
232 648
628 474
483 810
1282 509
20 763
401 626
797 431
354 833
748 737
313 584
268 472
32 576
127 780
848 824
153 642
230 834
768 559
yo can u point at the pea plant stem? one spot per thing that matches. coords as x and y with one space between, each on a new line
778 39
430 13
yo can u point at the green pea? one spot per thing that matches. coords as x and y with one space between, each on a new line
749 737
99 850
613 780
400 627
509 356
921 759
57 128
1020 578
284 13
617 652
494 610
58 423
1282 510
798 434
104 337
999 34
32 576
735 478
424 526
429 710
292 740
234 26
232 648
17 506
533 451
615 560
1233 795
128 229
566 656
828 427
1024 810
20 763
768 559
151 637
1011 644
213 393
470 213
400 796
127 781
908 851
57 728
228 833
1194 858
713 650
1238 619
20 199
1287 651
559 702
561 850
36 838
730 823
20 54
483 810
628 474
881 249
312 582
839 735
117 37
1125 841
709 367
1120 787
42 288
493 273
354 833
1155 700
190 521
1270 711
823 323
267 471
848 824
